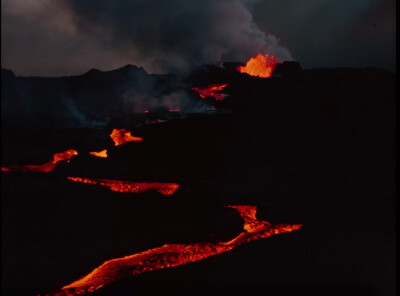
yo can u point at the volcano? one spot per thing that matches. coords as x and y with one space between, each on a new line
171 178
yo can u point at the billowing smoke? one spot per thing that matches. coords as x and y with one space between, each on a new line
175 35
69 37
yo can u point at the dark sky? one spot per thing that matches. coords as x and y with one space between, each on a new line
66 37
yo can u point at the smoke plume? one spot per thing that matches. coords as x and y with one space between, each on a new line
161 36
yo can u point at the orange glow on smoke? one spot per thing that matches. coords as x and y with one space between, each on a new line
128 186
102 153
261 66
171 255
122 136
46 167
211 91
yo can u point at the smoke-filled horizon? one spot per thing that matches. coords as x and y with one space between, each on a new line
157 35
69 37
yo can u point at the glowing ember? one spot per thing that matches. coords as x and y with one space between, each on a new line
46 167
211 91
261 66
173 254
102 153
122 136
128 186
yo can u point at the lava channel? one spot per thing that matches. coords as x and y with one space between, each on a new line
171 255
261 66
46 167
131 187
211 91
122 136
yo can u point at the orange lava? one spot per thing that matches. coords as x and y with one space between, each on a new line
174 110
211 91
173 254
122 136
102 153
46 167
128 186
261 66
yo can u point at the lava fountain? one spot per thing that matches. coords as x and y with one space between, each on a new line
171 255
128 186
260 65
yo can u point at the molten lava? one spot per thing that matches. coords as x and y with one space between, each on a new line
173 254
102 153
46 167
128 186
211 91
122 136
261 66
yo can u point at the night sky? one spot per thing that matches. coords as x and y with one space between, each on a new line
68 37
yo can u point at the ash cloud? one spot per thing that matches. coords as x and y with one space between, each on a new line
175 35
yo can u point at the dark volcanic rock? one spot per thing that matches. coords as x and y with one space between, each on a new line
287 68
84 100
315 148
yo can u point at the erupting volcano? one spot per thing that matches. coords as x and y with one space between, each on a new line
171 255
261 66
122 136
211 91
46 167
131 187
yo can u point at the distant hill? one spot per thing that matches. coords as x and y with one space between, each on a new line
96 96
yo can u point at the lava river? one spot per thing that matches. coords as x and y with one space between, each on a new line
46 167
171 255
131 187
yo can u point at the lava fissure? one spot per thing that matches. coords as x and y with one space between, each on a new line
171 255
129 186
46 167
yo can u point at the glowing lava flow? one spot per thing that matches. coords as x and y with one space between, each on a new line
261 66
210 91
173 255
46 167
128 186
122 136
102 153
